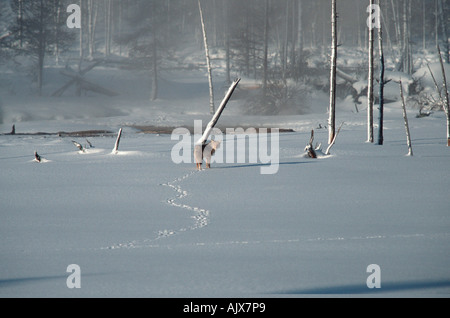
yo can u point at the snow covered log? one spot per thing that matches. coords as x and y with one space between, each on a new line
346 77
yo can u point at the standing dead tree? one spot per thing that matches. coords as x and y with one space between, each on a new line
370 79
446 102
332 109
208 62
442 93
381 81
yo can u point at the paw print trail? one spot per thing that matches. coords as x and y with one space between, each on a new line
200 216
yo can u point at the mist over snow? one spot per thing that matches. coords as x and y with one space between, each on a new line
138 224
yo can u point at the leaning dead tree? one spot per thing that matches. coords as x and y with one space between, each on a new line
201 146
405 118
116 145
217 114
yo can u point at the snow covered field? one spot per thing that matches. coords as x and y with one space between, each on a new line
139 225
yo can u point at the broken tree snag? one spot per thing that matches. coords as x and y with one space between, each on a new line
309 148
78 145
405 117
116 146
37 157
219 111
327 152
89 143
13 130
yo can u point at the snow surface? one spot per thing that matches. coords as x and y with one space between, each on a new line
139 225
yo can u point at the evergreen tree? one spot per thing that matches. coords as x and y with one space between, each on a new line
36 32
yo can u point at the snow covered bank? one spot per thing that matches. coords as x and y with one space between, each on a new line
139 225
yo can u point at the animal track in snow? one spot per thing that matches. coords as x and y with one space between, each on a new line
200 217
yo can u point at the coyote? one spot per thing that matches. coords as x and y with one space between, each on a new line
205 151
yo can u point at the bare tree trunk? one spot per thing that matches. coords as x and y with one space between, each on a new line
397 28
293 38
208 62
218 113
227 42
444 31
56 30
20 20
266 49
116 145
327 152
359 42
300 31
436 23
445 97
381 92
92 21
155 72
370 83
423 26
396 23
81 31
332 109
108 25
41 48
154 92
405 117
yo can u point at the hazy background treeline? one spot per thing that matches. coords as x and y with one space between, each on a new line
268 40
